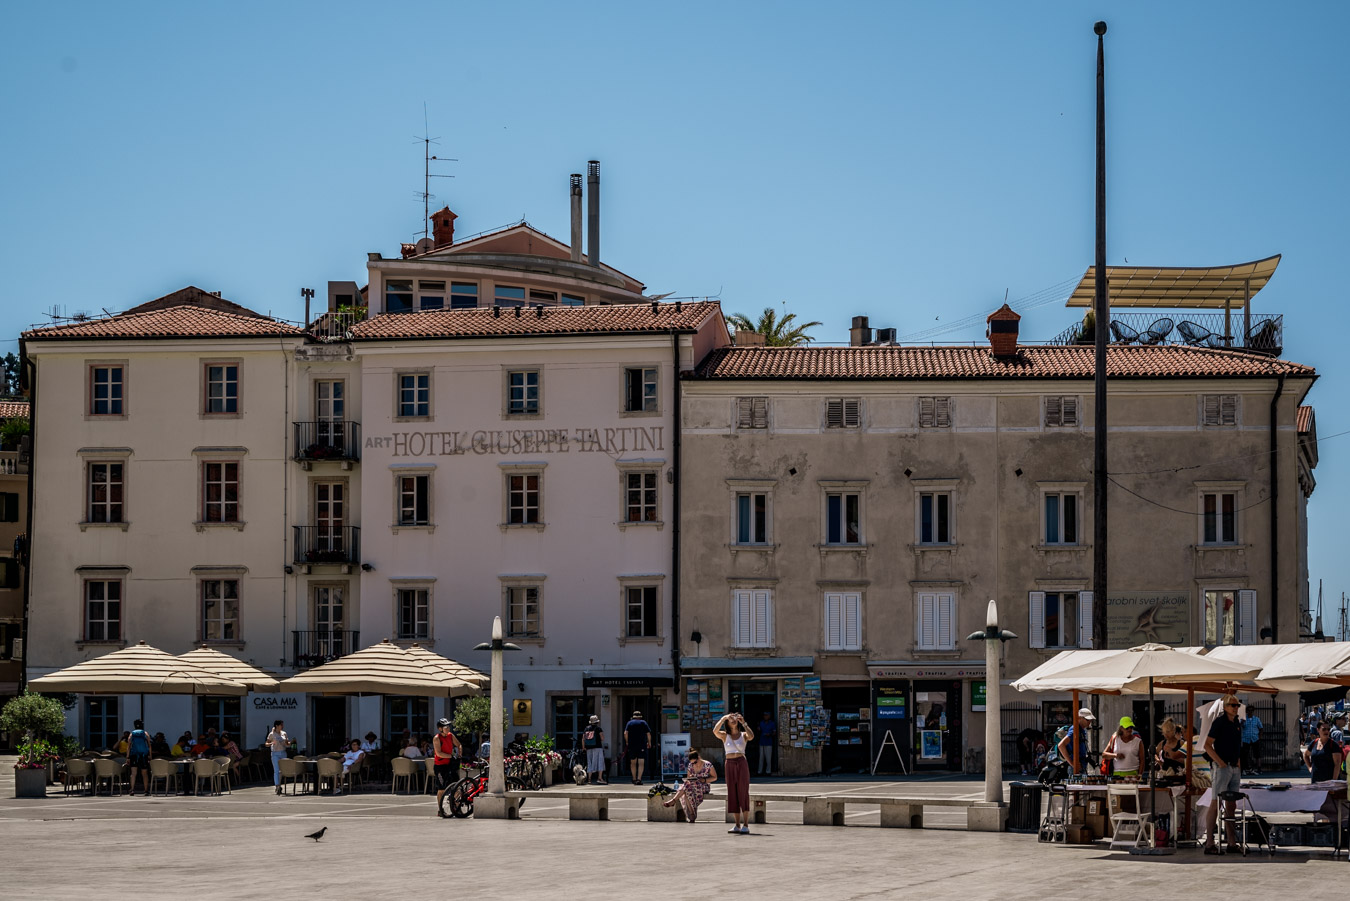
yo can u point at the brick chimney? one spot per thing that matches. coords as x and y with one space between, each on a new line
443 227
1003 331
860 335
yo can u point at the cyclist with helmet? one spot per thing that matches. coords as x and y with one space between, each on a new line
446 749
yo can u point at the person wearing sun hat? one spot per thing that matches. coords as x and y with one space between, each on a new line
1125 749
1064 746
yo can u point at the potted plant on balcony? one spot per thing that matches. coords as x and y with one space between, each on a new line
32 717
320 451
325 555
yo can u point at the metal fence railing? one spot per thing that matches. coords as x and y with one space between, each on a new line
1265 335
327 544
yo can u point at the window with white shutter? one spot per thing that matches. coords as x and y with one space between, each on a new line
1220 409
843 621
1061 411
1246 631
843 413
1085 604
752 412
1036 611
936 626
752 618
935 412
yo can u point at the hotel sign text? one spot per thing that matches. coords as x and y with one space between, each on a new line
520 441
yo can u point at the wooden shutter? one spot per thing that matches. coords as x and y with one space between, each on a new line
942 412
834 414
1085 602
927 414
759 413
1211 409
926 627
761 614
1036 609
852 621
1068 411
744 412
1246 624
740 619
852 412
1052 411
834 625
1228 409
946 621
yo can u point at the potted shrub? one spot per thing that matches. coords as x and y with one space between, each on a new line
33 717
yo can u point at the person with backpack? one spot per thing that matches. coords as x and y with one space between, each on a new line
138 756
593 740
446 750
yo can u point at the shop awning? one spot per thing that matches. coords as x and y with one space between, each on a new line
748 666
1177 287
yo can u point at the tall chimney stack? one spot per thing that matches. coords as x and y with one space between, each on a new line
576 217
593 211
860 335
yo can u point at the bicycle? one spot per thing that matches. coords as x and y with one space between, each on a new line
458 799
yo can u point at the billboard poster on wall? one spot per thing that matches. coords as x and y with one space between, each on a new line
1136 617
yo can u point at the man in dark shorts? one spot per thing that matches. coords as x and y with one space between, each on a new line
637 737
1223 747
138 756
445 749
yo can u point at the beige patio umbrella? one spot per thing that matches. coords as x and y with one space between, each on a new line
473 681
232 668
138 669
1292 667
381 669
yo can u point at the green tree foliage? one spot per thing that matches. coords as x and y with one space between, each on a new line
11 431
9 371
472 716
33 715
777 331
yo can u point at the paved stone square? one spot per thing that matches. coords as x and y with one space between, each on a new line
381 845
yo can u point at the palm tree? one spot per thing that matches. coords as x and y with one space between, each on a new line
777 332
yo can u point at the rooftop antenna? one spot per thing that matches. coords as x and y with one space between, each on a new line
427 175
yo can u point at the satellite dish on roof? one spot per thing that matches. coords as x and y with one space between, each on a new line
425 245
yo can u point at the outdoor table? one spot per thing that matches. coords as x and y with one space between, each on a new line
1295 799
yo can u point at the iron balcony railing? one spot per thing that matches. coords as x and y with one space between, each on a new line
319 646
1264 335
336 325
327 544
328 440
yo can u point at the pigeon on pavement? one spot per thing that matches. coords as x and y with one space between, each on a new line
317 835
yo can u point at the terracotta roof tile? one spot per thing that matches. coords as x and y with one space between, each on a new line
182 321
527 321
13 409
1073 362
1305 419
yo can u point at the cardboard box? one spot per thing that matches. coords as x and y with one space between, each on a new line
1078 814
1078 835
1100 825
1096 807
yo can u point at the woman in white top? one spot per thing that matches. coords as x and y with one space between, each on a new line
732 731
412 752
277 742
1125 749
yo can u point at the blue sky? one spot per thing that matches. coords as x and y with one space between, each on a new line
901 160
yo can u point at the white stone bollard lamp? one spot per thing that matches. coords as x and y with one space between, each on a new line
992 815
494 804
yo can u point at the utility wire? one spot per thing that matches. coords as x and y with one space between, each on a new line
1149 472
1036 299
1176 509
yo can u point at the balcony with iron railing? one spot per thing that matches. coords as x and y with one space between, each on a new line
338 440
335 325
1265 334
327 544
316 647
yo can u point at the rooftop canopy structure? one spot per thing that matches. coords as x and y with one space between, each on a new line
1178 287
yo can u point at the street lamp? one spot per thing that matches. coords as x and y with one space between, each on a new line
992 637
494 804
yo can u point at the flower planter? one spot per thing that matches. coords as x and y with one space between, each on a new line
30 783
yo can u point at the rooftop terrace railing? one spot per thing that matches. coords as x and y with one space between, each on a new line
1218 330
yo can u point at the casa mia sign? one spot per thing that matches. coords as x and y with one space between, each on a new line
624 439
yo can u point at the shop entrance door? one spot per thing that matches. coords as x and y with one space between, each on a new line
650 705
330 724
937 725
570 716
752 700
850 729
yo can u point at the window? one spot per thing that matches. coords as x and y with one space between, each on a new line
221 714
640 611
329 619
752 412
103 610
414 613
430 295
9 506
1060 619
936 626
105 390
522 392
11 576
752 618
522 611
220 609
222 388
9 633
1061 518
1061 412
398 296
414 502
1220 409
752 517
414 395
935 517
102 727
843 519
639 387
544 297
640 497
220 482
522 499
572 300
1230 617
1219 517
843 413
935 412
843 621
507 296
463 295
403 713
105 492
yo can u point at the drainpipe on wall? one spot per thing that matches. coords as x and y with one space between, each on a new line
1275 513
675 511
27 366
285 487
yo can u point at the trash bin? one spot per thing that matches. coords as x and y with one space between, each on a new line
1024 807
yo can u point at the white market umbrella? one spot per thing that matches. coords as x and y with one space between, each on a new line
232 668
381 669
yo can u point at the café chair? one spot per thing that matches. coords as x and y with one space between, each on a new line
329 770
110 771
162 769
406 770
204 770
294 770
1131 826
78 772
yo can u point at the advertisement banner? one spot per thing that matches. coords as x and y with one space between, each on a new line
1136 617
674 748
977 696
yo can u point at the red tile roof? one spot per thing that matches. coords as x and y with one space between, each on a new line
1072 362
509 322
13 409
185 320
1305 420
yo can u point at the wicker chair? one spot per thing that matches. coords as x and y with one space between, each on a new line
1157 332
110 771
294 770
327 769
410 771
1197 335
78 772
1123 333
162 769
